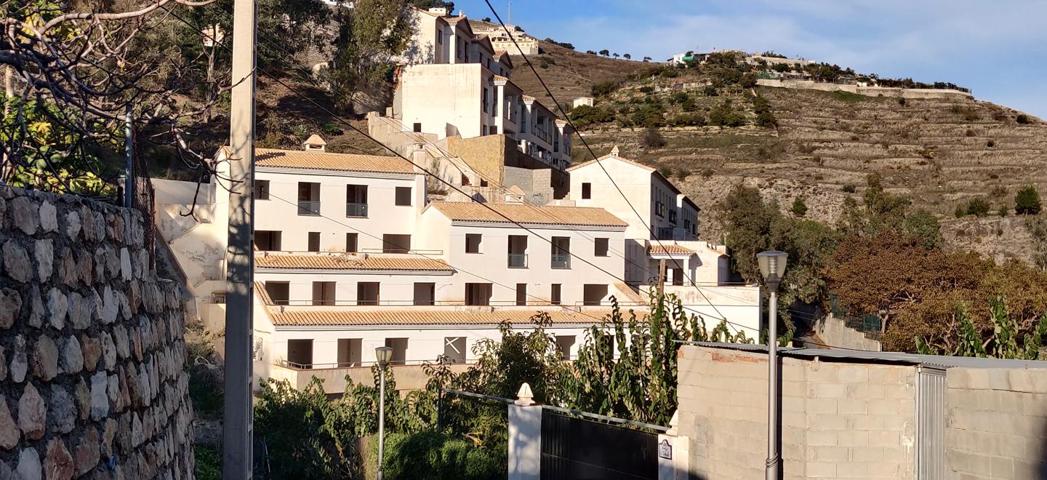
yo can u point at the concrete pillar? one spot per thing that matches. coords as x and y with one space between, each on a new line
499 109
452 44
673 453
525 437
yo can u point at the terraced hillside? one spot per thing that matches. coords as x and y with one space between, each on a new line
940 152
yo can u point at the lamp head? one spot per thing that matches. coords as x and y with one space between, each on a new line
772 265
383 355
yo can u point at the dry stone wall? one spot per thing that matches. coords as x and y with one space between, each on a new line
91 350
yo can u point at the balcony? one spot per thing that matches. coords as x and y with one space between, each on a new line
561 261
517 260
357 210
309 207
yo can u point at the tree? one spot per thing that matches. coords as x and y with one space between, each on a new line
1005 340
369 35
1027 201
627 56
723 115
652 138
799 207
605 52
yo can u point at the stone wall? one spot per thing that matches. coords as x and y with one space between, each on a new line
91 349
869 91
996 423
839 420
835 332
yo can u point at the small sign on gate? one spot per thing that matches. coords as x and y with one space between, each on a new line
665 450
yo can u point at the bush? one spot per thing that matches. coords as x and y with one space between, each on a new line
437 456
585 115
799 207
1002 211
688 120
748 80
646 89
849 188
679 98
710 91
725 116
764 116
666 171
960 211
208 463
648 116
607 87
978 207
990 143
688 105
652 138
1027 201
1022 118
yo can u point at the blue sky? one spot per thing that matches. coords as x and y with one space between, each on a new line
997 48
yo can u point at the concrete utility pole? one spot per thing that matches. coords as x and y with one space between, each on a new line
237 429
661 279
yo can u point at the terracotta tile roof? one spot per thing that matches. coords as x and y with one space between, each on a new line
528 214
670 249
397 317
317 160
332 261
262 293
629 294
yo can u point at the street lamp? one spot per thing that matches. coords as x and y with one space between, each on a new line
383 355
772 267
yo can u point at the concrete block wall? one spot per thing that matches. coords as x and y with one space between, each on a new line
839 420
91 349
835 332
996 423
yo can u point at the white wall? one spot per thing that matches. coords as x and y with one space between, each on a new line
635 183
446 99
280 212
394 289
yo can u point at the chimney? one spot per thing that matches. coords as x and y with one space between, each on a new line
314 142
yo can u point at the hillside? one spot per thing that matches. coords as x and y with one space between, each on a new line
940 152
568 73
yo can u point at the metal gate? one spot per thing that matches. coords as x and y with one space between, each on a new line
579 449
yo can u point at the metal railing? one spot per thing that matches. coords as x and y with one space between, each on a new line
309 207
356 210
517 260
561 261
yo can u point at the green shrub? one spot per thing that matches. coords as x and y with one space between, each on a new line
849 188
799 207
679 98
652 138
208 463
585 115
978 207
848 97
991 143
748 80
688 105
725 116
646 89
688 120
764 115
1027 201
1022 118
436 456
1002 211
960 211
710 91
600 89
648 116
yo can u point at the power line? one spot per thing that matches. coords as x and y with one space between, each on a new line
587 147
423 169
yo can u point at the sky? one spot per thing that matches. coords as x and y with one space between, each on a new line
997 48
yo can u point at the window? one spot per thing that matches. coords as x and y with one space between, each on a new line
261 189
352 242
396 243
554 294
472 242
356 200
417 127
367 293
349 352
403 196
587 191
399 346
485 100
314 241
477 294
678 276
483 183
308 198
521 294
517 251
564 343
300 353
424 293
593 294
267 240
323 293
492 130
454 349
601 247
279 292
465 181
561 253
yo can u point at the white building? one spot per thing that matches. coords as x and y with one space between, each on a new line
454 83
504 41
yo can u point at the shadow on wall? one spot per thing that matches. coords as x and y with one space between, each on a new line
1041 469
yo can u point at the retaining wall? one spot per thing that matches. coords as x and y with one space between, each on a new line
91 349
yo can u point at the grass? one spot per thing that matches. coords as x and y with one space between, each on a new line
849 97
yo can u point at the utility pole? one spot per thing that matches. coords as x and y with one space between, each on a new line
237 428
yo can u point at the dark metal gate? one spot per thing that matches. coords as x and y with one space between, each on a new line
579 449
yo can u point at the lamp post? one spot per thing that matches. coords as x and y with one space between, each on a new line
382 355
772 267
